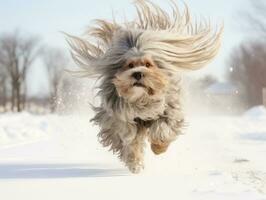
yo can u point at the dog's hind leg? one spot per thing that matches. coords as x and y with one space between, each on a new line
133 152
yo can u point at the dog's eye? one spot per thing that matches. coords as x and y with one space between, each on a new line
148 64
130 65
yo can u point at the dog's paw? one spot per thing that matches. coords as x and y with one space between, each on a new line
159 148
161 132
135 168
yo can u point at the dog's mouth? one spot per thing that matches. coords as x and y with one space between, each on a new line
138 84
150 90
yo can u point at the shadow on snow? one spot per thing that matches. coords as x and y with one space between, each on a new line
46 171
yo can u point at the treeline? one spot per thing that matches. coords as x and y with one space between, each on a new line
247 63
18 53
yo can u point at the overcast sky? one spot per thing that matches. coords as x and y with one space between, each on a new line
47 18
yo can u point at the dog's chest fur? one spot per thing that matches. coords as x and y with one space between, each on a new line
148 109
145 109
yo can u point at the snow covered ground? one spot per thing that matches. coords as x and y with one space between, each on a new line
58 157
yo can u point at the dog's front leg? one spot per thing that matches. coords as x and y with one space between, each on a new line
133 150
165 130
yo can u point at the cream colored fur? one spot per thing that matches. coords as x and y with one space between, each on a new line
153 109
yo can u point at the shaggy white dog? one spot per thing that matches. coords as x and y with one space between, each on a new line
138 65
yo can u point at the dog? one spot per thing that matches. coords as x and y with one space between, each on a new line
139 65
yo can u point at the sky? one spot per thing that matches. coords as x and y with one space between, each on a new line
47 18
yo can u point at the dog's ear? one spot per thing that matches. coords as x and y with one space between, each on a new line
87 51
83 53
174 38
103 31
190 52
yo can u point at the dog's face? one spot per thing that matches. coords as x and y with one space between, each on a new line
140 77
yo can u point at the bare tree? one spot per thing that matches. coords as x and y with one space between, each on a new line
3 86
247 63
17 53
247 69
55 60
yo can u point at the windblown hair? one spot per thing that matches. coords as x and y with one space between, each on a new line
174 41
147 105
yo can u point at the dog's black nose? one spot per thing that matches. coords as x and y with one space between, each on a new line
137 75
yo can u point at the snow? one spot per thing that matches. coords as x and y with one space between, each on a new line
256 112
58 157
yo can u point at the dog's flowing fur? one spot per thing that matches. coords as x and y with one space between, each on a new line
156 45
